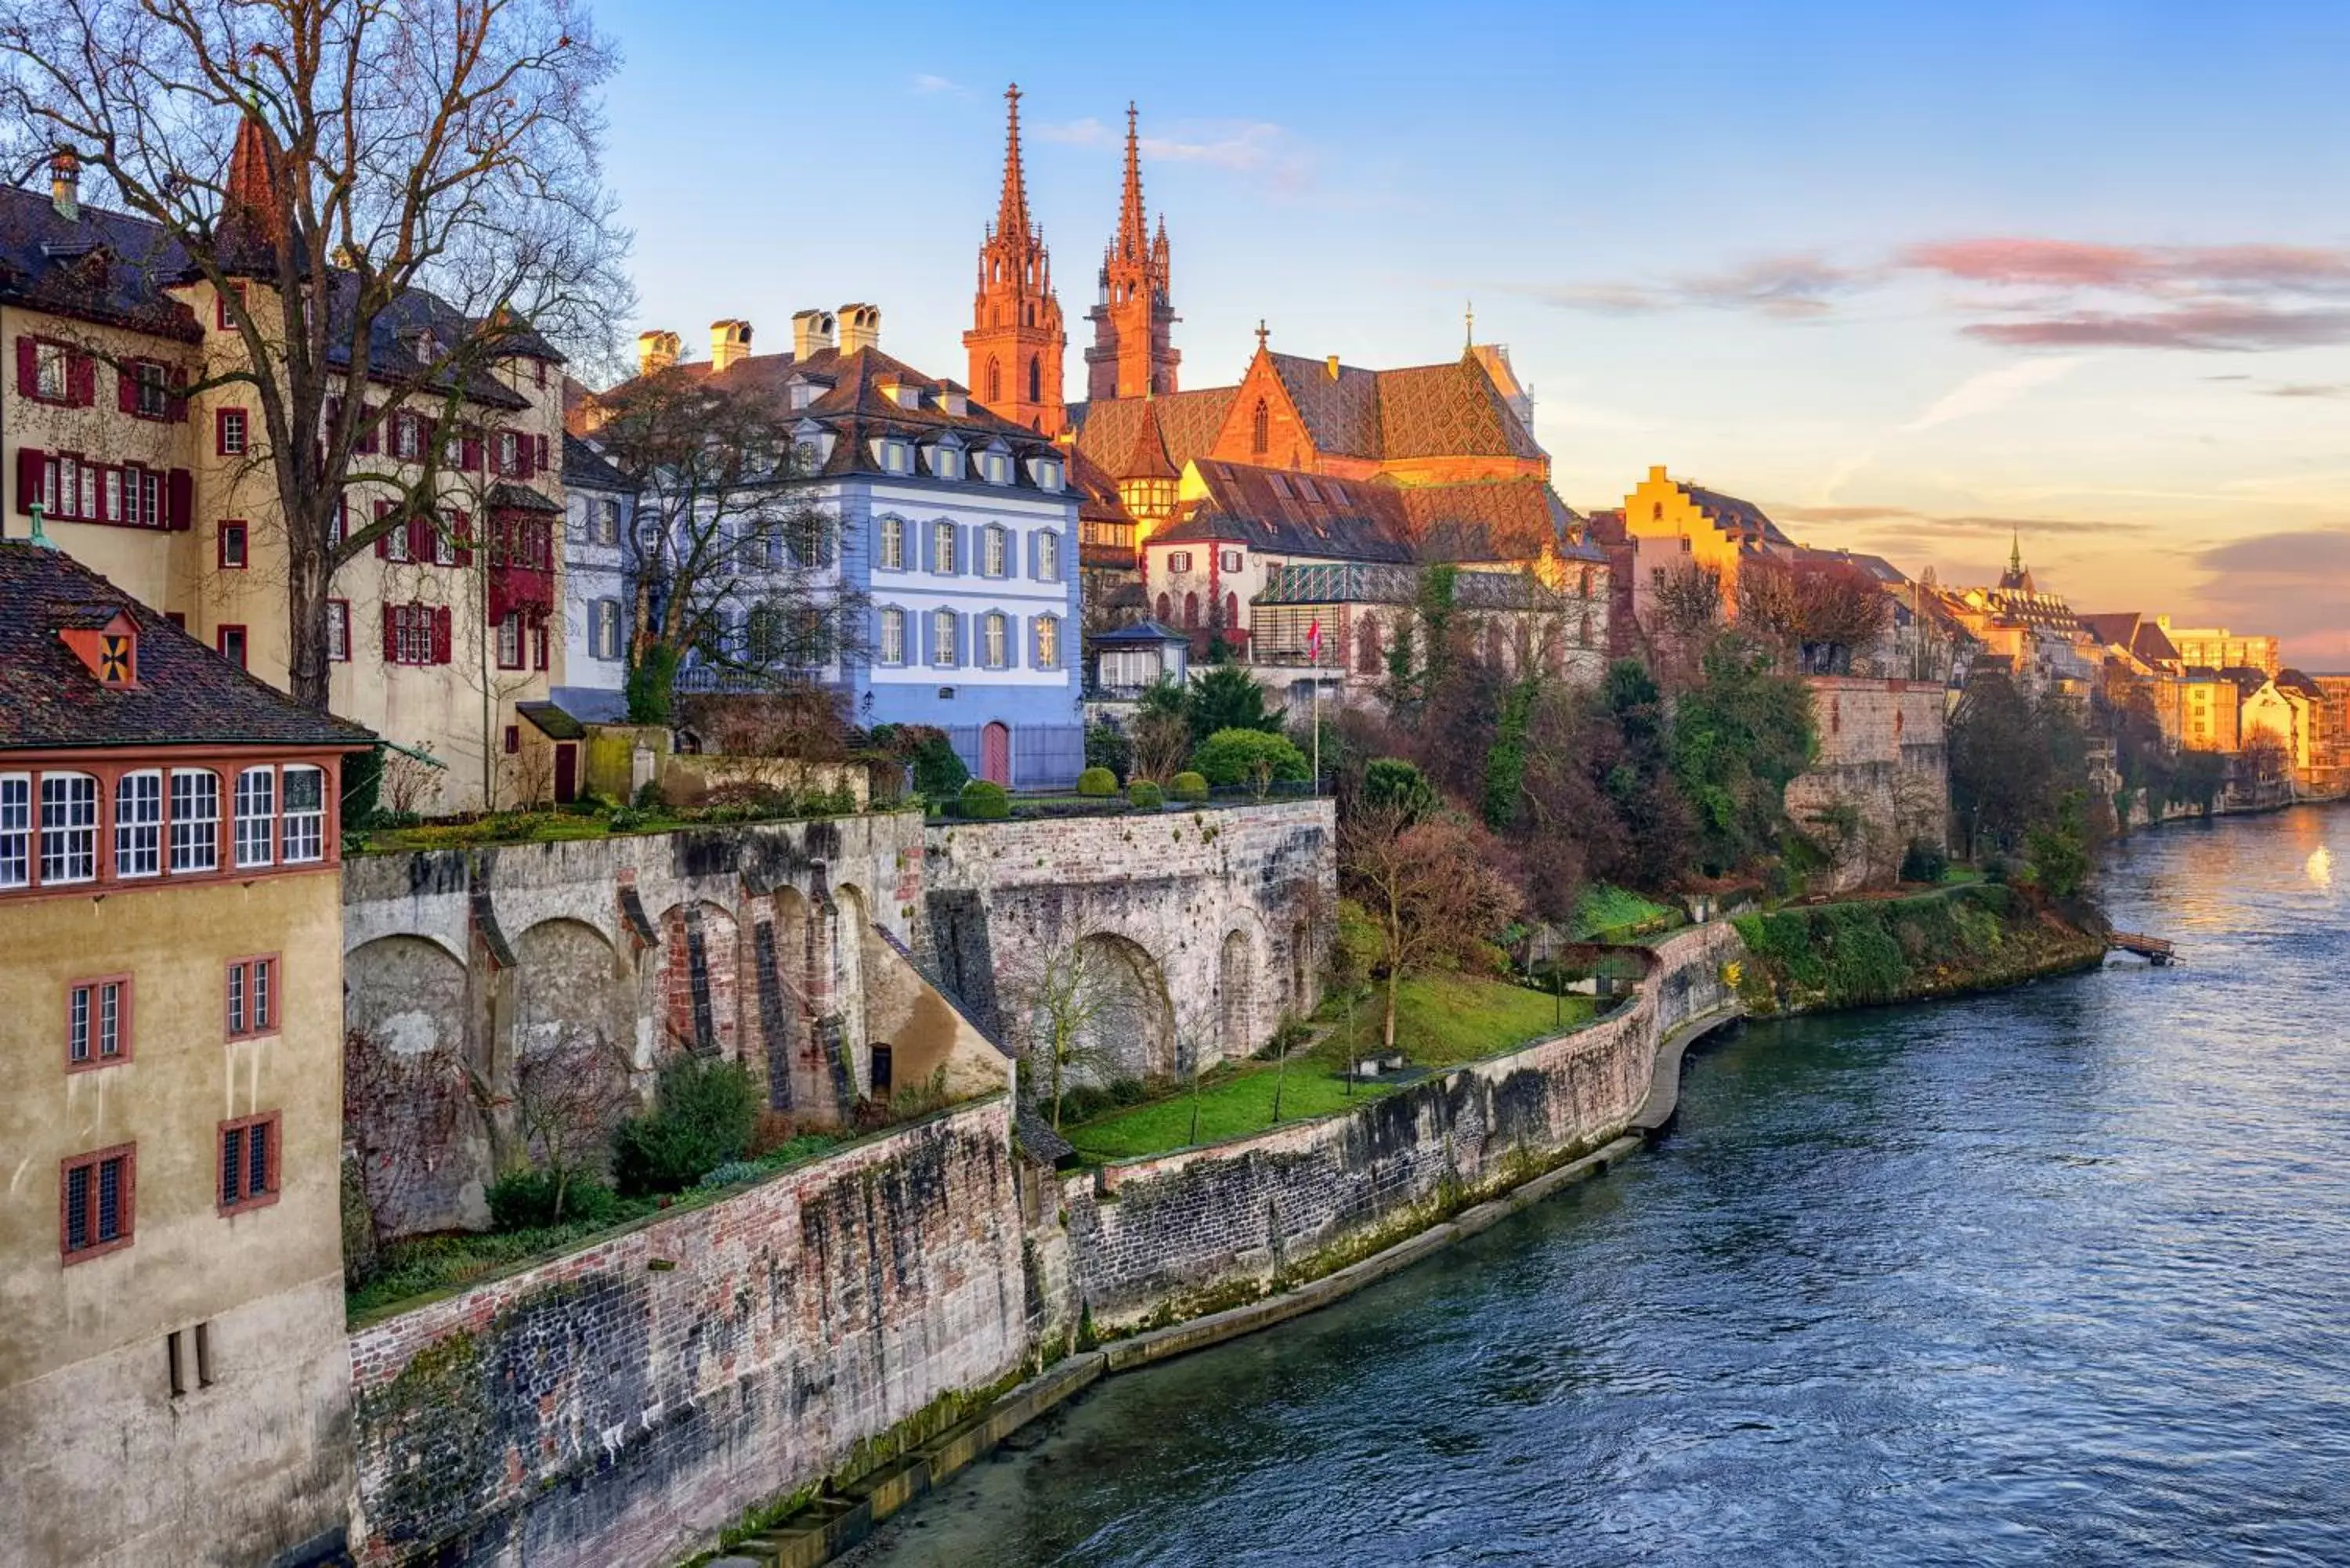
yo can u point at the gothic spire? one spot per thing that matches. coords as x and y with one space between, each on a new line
1011 211
1133 230
2015 552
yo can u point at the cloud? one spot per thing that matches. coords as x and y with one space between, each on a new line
2215 327
1788 287
1988 390
2306 390
1915 522
925 85
2294 582
1086 132
2298 552
1259 150
2145 269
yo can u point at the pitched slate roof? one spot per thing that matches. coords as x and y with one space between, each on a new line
186 695
1294 513
1160 433
1744 519
1493 520
115 268
585 467
2132 631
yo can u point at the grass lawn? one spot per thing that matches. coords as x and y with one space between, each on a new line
1441 1021
1604 909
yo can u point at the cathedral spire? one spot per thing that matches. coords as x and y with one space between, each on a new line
1012 210
1133 232
2015 552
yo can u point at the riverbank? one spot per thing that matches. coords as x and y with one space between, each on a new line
1953 941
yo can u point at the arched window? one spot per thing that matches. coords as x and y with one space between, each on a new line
1166 610
1232 610
1035 379
1367 647
991 641
1261 429
1585 637
1190 610
994 383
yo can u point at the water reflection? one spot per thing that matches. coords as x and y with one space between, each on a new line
2053 1277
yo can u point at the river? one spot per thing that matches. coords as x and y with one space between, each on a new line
2056 1276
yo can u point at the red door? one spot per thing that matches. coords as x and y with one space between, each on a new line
566 773
996 754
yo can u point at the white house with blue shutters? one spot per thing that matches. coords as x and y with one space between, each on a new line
960 530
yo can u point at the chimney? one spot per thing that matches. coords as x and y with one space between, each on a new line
860 328
728 341
811 333
65 184
656 352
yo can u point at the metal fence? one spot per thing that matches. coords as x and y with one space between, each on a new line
1043 756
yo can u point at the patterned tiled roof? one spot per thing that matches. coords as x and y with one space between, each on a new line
1449 410
186 695
1375 583
1493 520
1341 411
1162 432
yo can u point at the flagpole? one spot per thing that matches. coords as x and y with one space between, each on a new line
1314 668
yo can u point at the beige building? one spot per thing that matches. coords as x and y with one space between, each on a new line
1671 525
437 636
174 1382
2217 648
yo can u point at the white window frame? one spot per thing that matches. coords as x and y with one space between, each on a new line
68 828
1179 560
892 551
49 358
1048 642
995 639
193 808
995 552
138 824
943 628
942 540
302 833
16 830
255 834
893 635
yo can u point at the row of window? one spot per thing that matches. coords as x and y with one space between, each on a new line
70 487
99 1019
1179 560
947 460
158 823
948 549
49 371
98 1205
950 640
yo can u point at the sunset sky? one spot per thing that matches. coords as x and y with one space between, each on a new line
1910 276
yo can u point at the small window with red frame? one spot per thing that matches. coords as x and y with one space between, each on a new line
231 547
252 997
248 1162
98 1023
97 1201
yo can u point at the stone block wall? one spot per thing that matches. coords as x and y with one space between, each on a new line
1208 917
1881 778
467 972
615 1406
1187 1230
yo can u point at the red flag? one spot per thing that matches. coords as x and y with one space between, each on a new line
1314 642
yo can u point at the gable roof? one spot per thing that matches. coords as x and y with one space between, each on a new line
1492 520
1743 519
1294 513
585 467
1380 583
186 695
1160 433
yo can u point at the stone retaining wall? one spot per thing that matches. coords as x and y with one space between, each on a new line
615 1407
1181 1232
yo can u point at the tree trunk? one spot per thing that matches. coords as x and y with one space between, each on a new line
1395 978
307 576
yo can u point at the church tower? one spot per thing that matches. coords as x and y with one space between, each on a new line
1133 354
1016 340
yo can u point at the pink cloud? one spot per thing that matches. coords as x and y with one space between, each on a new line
2065 263
2209 327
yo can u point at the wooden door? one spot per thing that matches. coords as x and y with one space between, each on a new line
996 754
566 773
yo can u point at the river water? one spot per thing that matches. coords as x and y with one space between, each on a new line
2056 1276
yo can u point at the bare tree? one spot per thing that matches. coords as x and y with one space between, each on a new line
563 1101
1063 999
727 531
1685 612
414 200
1817 615
1429 888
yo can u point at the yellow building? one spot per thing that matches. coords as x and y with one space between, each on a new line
2219 648
436 636
174 1381
1672 524
2210 708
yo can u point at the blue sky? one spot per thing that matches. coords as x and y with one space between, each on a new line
1909 275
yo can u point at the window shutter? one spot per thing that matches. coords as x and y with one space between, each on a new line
963 559
30 461
367 436
392 634
1037 642
440 635
420 539
463 523
178 406
81 380
126 390
469 451
180 500
539 466
1036 558
958 654
28 369
930 637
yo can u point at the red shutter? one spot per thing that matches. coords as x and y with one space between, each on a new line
390 631
469 451
30 461
220 432
440 635
28 369
420 539
368 436
463 522
179 404
81 381
126 390
180 503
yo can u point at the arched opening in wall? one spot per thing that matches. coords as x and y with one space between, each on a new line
414 1128
572 1078
1494 646
698 1007
994 383
849 926
995 753
1236 995
1035 379
1554 649
1366 646
1231 612
1261 429
1166 610
1191 611
781 961
1105 997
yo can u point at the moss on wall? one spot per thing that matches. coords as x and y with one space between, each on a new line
1902 949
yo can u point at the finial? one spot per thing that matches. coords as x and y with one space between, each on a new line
1261 334
1469 335
39 537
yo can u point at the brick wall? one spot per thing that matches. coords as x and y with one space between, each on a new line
1188 1229
615 1406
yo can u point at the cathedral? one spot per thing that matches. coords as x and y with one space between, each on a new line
1441 460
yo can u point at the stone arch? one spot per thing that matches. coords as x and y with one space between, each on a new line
570 1074
696 1005
1237 1033
783 958
1132 1034
421 1147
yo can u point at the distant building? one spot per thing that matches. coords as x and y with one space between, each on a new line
1669 526
2219 648
175 1381
598 600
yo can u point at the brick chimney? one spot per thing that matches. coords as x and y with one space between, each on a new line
65 184
656 352
811 333
728 341
860 328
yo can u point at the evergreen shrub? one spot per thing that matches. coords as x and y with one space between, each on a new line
985 802
704 1114
1189 787
1099 783
1148 796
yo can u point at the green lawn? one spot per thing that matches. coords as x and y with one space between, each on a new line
1441 1021
1604 909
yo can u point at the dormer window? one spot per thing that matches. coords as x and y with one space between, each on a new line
954 402
108 646
427 348
1046 473
946 459
901 394
893 454
995 466
803 393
